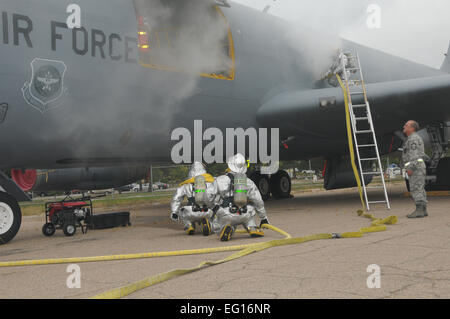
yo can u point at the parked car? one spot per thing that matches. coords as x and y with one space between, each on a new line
393 170
125 188
136 187
160 185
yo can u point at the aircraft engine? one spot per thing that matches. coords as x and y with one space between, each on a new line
339 174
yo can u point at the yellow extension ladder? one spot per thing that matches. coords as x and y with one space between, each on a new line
362 126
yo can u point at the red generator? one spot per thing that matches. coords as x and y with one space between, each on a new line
67 215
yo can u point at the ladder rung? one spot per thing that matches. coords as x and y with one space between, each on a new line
378 202
363 132
372 173
359 105
358 93
369 159
374 187
367 145
361 118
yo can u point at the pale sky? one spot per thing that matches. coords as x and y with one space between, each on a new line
418 30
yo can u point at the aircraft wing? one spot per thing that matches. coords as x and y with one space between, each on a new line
321 112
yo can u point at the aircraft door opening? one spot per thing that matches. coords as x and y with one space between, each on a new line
191 37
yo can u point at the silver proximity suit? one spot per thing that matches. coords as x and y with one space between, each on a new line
223 188
190 214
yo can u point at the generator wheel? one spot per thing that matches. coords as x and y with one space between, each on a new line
69 230
48 229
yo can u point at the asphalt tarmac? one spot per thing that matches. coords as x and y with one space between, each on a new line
413 256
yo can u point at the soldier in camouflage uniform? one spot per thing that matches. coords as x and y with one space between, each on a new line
413 159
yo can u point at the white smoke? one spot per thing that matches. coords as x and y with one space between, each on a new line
196 47
316 50
417 30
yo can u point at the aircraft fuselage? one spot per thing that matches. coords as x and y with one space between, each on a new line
85 96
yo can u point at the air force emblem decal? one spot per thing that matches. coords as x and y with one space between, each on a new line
45 90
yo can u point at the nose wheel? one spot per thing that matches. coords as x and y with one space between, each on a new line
280 185
263 183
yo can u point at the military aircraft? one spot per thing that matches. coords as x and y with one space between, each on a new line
110 90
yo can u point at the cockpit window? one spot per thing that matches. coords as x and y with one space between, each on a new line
185 36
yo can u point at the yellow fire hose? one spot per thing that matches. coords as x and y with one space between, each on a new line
121 257
350 141
135 256
377 221
288 240
242 250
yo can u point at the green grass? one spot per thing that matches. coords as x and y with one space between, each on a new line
306 186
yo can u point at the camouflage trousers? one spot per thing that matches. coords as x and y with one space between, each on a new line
417 185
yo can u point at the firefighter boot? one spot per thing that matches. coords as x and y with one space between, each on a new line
226 233
256 232
189 229
206 227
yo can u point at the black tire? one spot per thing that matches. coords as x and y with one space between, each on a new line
263 184
69 230
443 174
280 185
9 208
48 229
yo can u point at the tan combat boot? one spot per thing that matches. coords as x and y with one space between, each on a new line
425 213
419 212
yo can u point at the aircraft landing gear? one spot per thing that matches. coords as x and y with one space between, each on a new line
441 178
438 168
263 183
278 184
10 217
